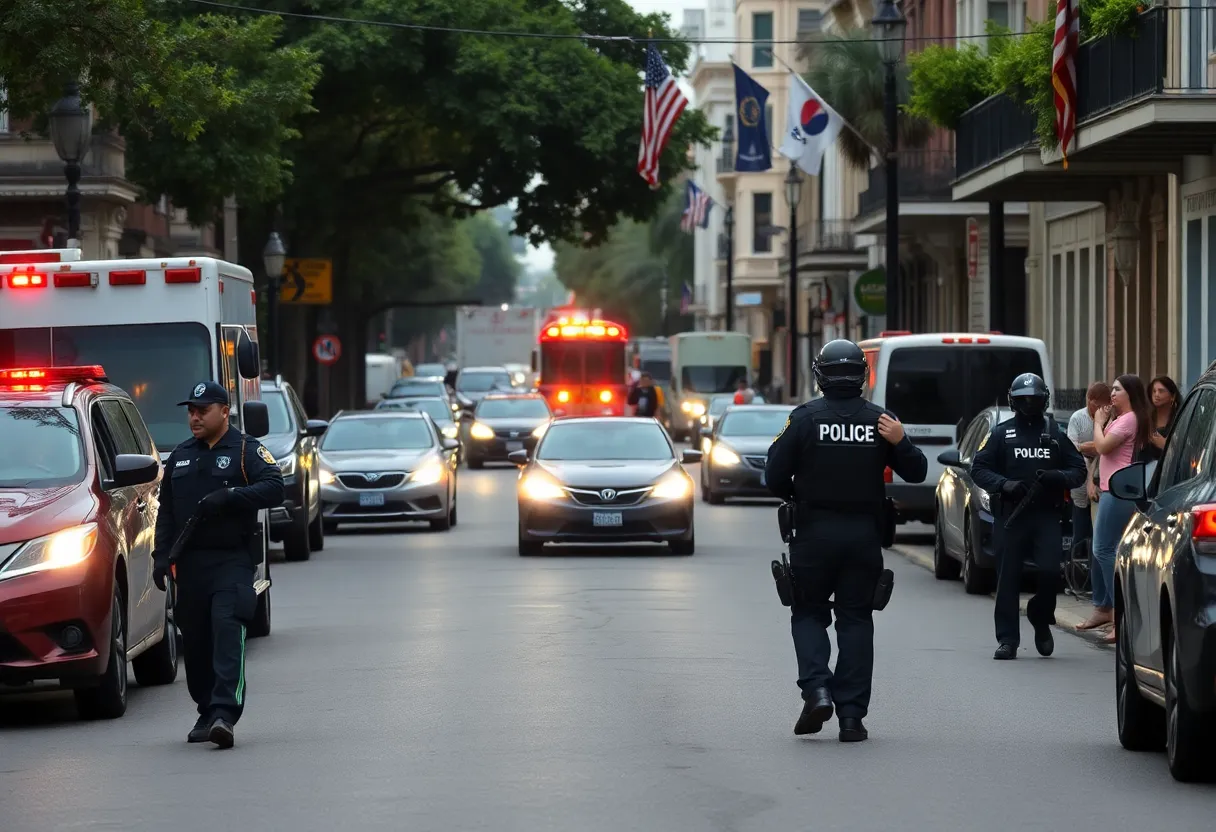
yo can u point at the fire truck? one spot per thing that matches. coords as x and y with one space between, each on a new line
582 365
156 325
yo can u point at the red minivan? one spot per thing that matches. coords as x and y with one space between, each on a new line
78 501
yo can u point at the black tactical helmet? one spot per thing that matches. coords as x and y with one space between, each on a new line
840 365
1028 395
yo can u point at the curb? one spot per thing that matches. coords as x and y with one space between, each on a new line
1070 612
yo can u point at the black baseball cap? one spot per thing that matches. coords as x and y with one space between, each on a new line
205 393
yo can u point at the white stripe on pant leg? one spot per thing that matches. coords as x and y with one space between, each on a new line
240 687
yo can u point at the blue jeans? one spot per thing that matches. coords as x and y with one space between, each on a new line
1113 516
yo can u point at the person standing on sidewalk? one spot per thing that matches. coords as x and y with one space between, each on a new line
1081 432
223 478
1165 398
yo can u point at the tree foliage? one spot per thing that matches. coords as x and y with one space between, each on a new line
499 270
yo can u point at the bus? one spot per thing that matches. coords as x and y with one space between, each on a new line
582 366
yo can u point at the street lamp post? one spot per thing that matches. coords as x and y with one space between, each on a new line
273 258
793 193
71 132
728 222
889 28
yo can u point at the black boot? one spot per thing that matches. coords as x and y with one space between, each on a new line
816 711
851 730
221 733
1043 640
1005 652
200 730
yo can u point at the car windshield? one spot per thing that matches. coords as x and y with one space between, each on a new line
754 422
437 408
42 447
483 382
513 409
434 370
377 433
276 405
711 379
416 387
659 369
587 441
718 404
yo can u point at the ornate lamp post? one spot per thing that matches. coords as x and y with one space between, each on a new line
728 222
890 27
71 132
793 194
273 258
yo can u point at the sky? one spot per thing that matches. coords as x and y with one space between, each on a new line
541 257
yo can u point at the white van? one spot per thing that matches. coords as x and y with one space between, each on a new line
936 384
703 364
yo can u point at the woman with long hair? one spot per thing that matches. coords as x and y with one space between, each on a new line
1120 430
1165 398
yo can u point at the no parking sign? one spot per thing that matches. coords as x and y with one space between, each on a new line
327 349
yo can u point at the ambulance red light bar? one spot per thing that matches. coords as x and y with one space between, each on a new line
979 340
52 375
10 257
891 333
27 280
128 277
594 329
74 280
194 275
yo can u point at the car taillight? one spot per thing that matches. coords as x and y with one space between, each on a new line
1204 527
26 280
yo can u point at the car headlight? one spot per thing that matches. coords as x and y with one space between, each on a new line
455 407
985 501
450 431
696 409
722 455
430 473
288 465
480 431
537 486
327 477
672 487
55 551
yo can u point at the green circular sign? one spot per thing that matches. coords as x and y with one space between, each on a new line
870 292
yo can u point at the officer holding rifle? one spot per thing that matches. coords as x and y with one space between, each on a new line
1028 466
828 462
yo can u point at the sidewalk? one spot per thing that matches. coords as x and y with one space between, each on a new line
1069 611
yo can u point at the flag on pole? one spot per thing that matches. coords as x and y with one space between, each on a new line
696 208
663 105
685 298
753 152
1064 71
813 127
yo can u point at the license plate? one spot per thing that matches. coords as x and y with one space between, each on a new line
607 518
371 499
514 446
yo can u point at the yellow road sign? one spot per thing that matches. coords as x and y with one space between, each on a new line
307 281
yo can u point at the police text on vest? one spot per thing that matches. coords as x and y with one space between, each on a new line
846 433
1032 453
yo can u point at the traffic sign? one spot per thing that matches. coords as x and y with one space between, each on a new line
327 349
307 281
973 248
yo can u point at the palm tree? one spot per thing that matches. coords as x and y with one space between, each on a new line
848 73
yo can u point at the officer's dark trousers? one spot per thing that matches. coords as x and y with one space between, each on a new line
213 638
836 555
1035 536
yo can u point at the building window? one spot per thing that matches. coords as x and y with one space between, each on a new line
810 22
762 34
1057 311
762 223
768 121
1089 327
998 13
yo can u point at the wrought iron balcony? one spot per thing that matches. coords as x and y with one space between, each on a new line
924 176
726 162
827 236
990 130
1118 69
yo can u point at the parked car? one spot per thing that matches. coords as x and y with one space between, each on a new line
293 442
738 450
78 507
1165 595
962 527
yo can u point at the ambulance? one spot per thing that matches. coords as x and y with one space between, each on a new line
156 325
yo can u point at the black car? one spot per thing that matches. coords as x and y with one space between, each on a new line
472 384
501 424
605 480
738 449
1165 595
293 442
962 538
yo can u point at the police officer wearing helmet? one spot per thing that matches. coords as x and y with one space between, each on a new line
1027 455
223 477
829 460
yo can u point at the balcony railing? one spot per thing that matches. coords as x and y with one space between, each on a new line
827 236
1115 70
924 176
726 162
990 130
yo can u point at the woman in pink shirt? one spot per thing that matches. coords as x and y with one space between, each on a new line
1120 430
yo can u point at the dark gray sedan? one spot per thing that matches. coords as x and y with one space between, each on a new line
736 450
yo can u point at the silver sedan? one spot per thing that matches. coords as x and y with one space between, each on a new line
387 466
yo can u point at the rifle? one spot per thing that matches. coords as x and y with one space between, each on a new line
1036 487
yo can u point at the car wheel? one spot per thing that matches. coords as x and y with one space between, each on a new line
683 547
108 699
1187 733
316 533
443 523
260 626
158 665
529 547
1141 723
945 568
295 542
976 581
330 526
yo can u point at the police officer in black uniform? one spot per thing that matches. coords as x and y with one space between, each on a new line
829 460
1027 455
224 478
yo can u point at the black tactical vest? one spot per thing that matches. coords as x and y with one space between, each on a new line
846 457
1027 451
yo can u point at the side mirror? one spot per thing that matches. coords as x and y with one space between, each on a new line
689 456
450 444
518 457
256 418
1130 483
134 469
315 427
950 458
248 358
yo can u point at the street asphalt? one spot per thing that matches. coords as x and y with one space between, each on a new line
420 680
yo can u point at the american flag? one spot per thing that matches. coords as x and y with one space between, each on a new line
1064 71
685 298
696 208
664 103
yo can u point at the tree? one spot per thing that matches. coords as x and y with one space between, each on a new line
849 74
499 269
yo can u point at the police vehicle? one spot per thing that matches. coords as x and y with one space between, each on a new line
936 384
152 323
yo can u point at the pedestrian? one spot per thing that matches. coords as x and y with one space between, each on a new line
743 393
223 477
1165 398
829 460
644 398
1081 432
1120 431
1027 458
